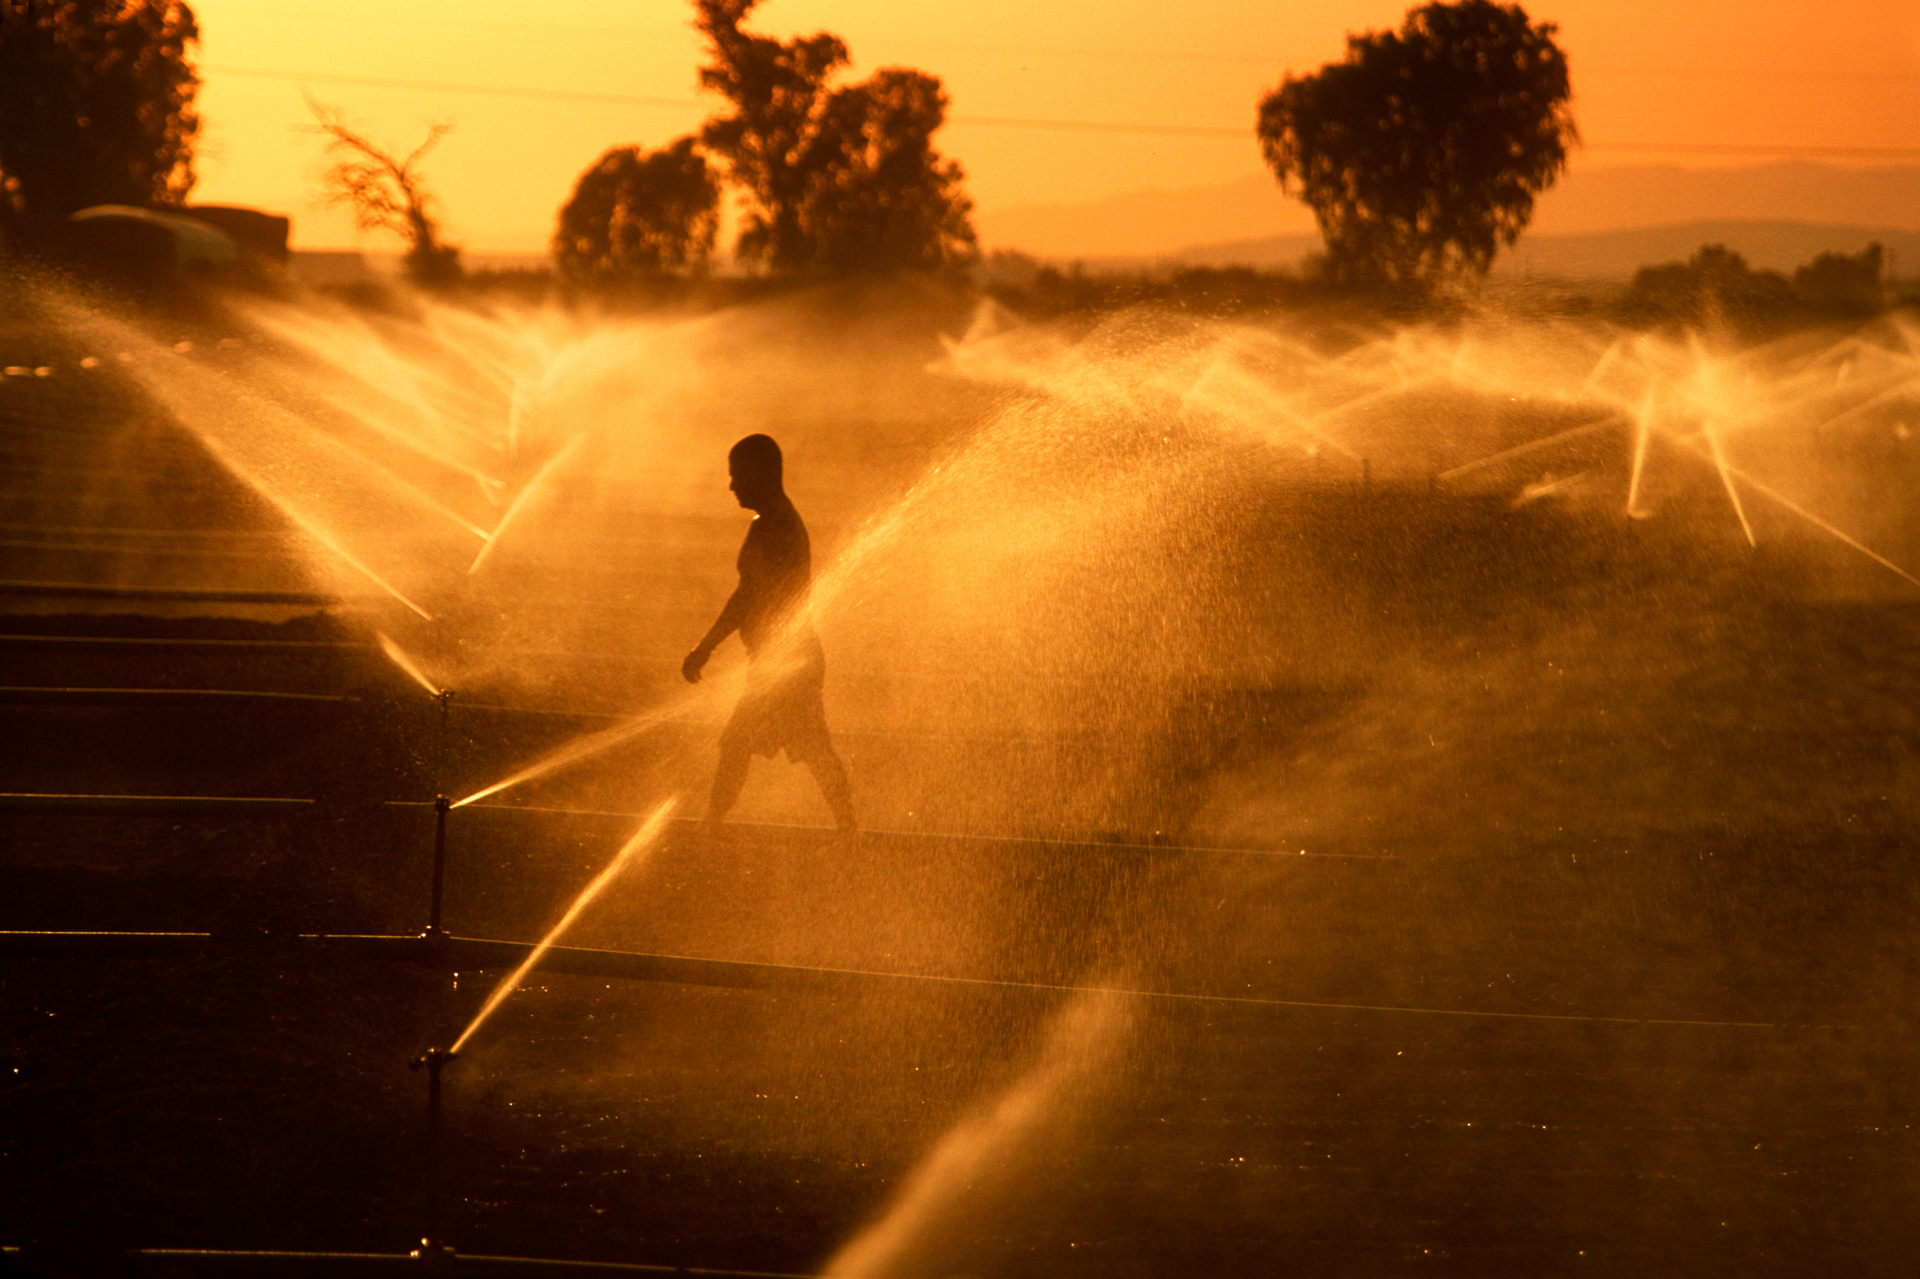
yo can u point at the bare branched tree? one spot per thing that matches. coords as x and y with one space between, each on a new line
386 193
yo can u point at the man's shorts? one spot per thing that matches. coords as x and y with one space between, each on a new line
782 709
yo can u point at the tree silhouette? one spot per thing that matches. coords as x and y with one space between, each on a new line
838 179
1421 153
1714 286
634 214
96 106
386 193
1844 283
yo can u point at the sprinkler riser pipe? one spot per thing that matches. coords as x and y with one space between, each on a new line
441 805
432 1248
431 1241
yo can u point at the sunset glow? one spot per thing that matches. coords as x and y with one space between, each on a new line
535 95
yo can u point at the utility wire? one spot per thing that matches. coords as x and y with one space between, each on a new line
439 86
1023 122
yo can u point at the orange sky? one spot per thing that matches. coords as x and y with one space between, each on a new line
1693 75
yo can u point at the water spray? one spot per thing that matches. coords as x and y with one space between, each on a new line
1732 473
398 657
305 524
642 843
443 697
1518 450
534 486
575 751
1642 434
1719 460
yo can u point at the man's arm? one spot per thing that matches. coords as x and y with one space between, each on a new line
726 624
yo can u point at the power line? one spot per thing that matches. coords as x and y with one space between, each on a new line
439 86
1102 126
1761 148
1786 150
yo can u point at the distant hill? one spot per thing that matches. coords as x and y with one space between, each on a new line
1604 255
1146 223
1200 223
1773 245
1590 200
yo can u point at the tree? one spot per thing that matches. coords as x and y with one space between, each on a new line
883 198
388 194
1422 152
634 214
838 179
1715 285
96 106
1844 283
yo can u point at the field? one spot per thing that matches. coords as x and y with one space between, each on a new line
1341 798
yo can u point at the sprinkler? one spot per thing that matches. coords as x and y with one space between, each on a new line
433 1250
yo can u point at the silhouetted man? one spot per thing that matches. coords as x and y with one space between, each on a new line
781 708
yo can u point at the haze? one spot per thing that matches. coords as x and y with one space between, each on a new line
538 94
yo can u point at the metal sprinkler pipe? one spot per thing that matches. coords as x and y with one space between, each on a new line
441 806
433 1250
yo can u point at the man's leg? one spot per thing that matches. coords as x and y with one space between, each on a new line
727 781
831 775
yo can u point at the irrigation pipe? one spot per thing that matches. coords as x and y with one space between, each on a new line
17 694
183 594
942 837
479 953
164 805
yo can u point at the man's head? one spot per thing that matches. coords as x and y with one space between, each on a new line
754 464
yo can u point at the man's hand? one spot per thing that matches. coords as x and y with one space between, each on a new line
691 667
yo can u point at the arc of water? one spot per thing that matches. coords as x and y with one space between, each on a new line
398 657
1607 357
578 749
1782 402
518 408
1231 390
305 525
1643 434
1308 426
340 448
642 842
1367 397
1726 478
372 363
488 484
1518 450
84 321
1775 495
1904 385
540 477
412 491
1082 1040
339 368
